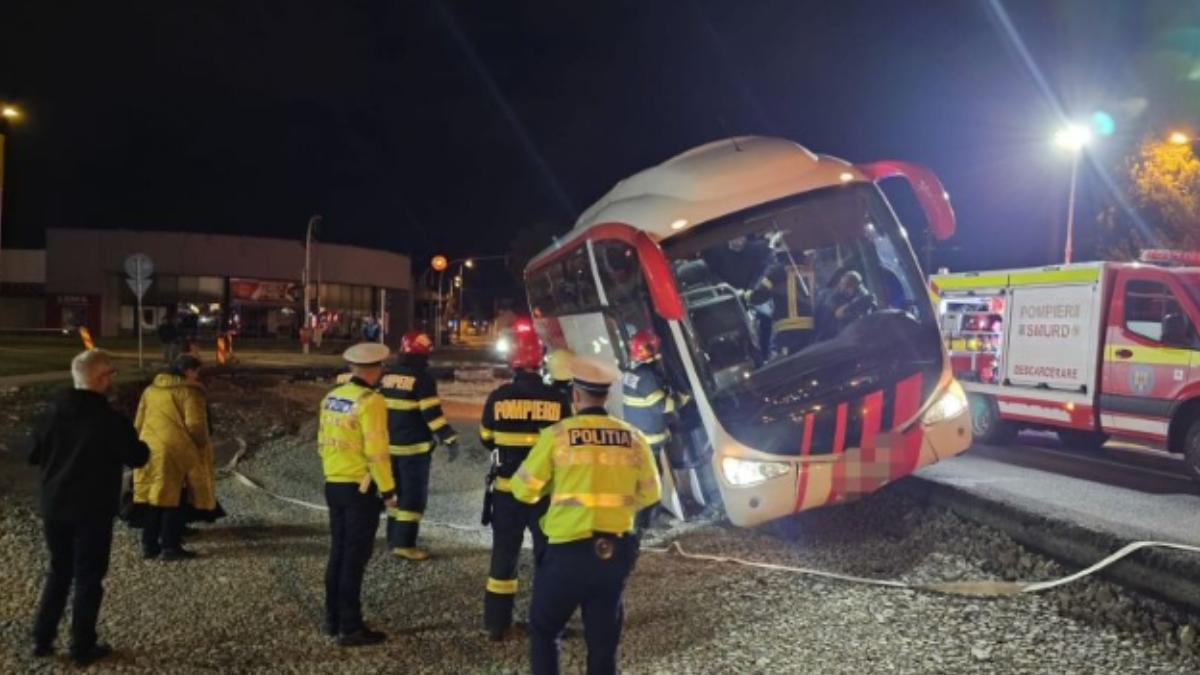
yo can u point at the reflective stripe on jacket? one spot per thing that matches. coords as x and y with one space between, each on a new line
513 416
598 472
646 402
352 439
414 411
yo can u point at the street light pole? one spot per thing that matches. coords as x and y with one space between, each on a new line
312 224
1073 138
7 113
1071 207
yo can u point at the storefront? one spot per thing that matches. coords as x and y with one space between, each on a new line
208 283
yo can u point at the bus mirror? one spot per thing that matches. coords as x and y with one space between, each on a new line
659 280
930 193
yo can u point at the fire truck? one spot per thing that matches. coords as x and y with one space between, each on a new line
1091 351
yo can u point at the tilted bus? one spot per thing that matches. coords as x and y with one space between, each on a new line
768 433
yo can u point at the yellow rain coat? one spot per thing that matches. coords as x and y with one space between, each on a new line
172 419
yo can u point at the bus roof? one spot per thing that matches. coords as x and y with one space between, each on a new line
714 180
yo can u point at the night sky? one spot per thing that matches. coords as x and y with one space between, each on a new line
447 127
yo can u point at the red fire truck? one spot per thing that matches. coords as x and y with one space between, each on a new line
1091 351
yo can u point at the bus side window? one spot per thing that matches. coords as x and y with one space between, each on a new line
625 290
541 294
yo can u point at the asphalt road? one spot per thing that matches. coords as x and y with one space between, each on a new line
1126 492
1121 465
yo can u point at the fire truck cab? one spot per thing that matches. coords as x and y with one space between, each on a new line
1090 351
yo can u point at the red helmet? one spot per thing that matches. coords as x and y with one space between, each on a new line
416 342
526 351
643 346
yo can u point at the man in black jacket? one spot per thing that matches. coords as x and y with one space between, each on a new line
80 446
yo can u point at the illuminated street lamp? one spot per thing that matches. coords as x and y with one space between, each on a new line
1179 138
8 114
1073 138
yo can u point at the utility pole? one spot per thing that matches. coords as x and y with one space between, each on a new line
313 222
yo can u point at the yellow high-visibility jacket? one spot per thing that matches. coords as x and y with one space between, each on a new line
598 472
173 420
353 438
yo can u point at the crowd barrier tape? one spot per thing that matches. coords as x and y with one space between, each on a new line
983 588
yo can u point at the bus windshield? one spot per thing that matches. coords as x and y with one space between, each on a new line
799 304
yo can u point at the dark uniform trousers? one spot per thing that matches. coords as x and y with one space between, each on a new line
510 519
353 521
412 495
78 554
576 574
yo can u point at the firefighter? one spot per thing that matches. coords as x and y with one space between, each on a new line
598 473
792 316
512 417
352 442
416 425
558 367
648 402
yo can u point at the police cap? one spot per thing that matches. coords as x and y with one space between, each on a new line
593 375
366 354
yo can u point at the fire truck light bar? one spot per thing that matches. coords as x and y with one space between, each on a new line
1165 256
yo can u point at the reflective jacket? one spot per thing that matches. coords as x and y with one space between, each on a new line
598 472
352 438
793 306
513 415
172 419
415 415
647 402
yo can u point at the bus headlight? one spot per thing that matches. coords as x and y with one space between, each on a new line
502 346
951 404
743 472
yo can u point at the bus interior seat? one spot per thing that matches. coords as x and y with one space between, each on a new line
723 329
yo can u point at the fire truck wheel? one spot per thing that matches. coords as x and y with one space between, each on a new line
1191 451
986 424
1082 441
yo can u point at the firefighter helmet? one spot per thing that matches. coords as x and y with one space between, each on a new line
526 351
416 342
643 346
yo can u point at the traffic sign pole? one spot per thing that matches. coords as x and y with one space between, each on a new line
138 275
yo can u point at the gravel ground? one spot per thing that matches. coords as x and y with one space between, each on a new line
253 602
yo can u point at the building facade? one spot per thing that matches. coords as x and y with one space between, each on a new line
210 282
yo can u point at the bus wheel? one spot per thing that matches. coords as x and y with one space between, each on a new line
1082 441
986 424
1191 451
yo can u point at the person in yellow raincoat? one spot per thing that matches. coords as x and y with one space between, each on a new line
172 419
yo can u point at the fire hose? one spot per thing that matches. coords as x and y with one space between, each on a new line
976 588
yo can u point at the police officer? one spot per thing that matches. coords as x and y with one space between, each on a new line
792 316
415 426
598 473
352 442
512 417
647 400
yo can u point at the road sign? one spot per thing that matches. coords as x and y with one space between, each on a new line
139 266
139 286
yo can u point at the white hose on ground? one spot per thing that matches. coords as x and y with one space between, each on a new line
980 588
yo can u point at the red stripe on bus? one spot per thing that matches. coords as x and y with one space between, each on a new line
839 447
872 419
805 449
908 402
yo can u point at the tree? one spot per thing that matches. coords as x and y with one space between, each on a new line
1162 181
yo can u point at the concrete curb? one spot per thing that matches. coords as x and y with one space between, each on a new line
1171 576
